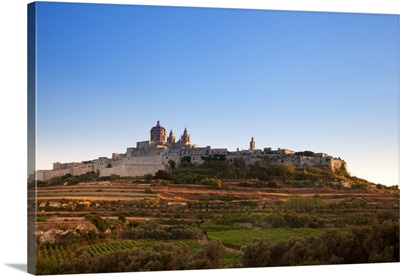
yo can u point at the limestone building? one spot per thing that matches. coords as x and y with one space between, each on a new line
155 154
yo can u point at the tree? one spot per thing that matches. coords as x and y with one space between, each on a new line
172 164
97 221
187 159
122 218
239 162
258 165
257 254
215 251
148 177
163 175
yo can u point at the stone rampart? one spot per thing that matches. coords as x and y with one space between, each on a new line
43 175
291 159
132 170
156 154
140 165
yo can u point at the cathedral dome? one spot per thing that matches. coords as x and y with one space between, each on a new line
158 127
158 133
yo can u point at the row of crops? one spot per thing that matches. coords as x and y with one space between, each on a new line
232 238
59 254
102 248
55 254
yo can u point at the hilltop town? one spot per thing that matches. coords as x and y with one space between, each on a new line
161 150
166 195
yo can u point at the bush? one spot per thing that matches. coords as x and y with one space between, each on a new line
376 243
214 182
304 203
163 175
186 160
172 164
166 182
148 177
122 218
273 184
97 221
249 203
72 181
187 177
153 230
149 191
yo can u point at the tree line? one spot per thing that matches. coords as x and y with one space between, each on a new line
161 257
153 230
368 244
268 175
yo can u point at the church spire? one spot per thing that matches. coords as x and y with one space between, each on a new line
171 137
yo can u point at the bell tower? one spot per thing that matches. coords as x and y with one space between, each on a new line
171 138
252 144
185 136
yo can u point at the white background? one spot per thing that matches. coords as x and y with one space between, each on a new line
13 107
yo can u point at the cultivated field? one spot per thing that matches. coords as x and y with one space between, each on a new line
101 218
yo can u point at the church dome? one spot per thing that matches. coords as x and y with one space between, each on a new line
158 127
158 133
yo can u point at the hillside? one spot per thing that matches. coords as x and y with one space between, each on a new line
227 210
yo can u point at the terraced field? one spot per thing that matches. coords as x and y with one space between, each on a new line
93 219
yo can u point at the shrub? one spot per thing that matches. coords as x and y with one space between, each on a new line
163 175
273 184
375 243
249 203
122 218
72 181
172 164
149 191
97 221
214 182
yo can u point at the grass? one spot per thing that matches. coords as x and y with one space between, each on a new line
42 218
231 259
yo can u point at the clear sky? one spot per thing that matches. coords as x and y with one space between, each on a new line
326 82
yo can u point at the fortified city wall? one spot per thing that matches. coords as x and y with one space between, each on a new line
140 165
298 161
153 155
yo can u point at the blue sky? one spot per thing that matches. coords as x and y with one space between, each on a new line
326 82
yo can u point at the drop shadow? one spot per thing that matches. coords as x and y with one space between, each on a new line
21 267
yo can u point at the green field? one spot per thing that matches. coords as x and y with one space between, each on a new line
239 238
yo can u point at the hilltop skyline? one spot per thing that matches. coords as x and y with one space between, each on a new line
325 82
